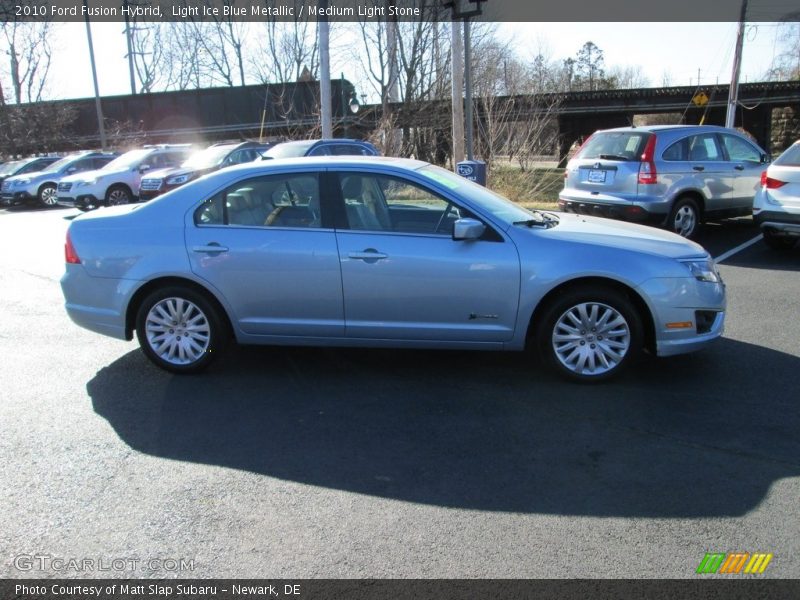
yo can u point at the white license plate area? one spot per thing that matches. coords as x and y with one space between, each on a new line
597 176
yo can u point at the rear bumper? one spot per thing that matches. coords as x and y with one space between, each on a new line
779 222
625 212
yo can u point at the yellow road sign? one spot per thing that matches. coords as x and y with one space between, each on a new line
700 99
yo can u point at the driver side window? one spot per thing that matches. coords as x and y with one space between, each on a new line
378 203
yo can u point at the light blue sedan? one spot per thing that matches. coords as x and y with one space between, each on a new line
383 252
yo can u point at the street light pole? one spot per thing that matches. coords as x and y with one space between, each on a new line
98 107
325 73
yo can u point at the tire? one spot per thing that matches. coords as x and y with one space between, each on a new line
684 218
176 345
48 195
779 242
589 334
117 195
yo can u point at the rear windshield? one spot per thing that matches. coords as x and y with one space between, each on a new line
790 157
615 145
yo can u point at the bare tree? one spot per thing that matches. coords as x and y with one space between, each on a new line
627 77
149 49
27 48
223 42
287 50
786 66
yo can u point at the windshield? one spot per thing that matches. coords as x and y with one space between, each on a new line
10 167
289 149
501 208
210 157
56 166
127 160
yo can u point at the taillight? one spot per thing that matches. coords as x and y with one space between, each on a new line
647 168
70 255
770 182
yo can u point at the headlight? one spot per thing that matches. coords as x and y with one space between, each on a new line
703 270
85 183
179 179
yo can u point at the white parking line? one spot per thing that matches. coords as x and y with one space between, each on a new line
738 249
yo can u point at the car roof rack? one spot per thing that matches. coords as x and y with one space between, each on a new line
163 146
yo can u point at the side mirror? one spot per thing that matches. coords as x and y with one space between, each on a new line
468 229
144 168
71 170
765 158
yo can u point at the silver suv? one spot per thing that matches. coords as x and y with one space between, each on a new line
675 176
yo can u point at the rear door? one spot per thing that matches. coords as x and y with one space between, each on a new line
264 244
697 162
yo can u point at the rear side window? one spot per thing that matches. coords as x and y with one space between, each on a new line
275 201
790 157
615 145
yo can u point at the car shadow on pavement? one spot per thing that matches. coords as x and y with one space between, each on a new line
697 435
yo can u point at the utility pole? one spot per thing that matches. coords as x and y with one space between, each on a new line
325 73
128 40
100 124
457 92
733 92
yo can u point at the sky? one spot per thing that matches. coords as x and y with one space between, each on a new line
675 50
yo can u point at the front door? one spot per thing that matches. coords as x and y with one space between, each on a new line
405 278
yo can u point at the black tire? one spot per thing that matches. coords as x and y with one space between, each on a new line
182 349
779 242
684 218
118 195
617 345
48 195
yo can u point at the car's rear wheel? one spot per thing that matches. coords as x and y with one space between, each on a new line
779 242
118 194
590 334
48 195
179 329
684 219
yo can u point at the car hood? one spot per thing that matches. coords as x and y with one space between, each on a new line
622 235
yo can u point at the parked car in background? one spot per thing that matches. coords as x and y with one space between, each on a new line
25 165
205 161
42 186
675 176
331 147
118 182
776 205
383 252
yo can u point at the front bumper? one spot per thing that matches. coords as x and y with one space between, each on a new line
688 314
17 197
83 202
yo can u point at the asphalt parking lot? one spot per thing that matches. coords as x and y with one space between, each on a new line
307 463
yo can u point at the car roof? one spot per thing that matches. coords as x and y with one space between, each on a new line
657 128
343 161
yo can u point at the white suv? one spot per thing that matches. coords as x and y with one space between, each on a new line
776 205
115 183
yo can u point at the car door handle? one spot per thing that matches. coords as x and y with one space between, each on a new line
699 168
369 255
739 167
212 247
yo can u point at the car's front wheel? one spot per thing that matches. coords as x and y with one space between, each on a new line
117 195
589 334
777 241
179 329
48 195
684 219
